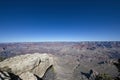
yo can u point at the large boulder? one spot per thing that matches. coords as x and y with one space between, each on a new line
34 63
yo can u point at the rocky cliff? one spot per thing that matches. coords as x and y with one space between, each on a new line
27 67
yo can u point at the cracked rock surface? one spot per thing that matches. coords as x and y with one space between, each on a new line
27 66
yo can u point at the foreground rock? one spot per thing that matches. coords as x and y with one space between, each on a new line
4 75
28 76
8 76
27 66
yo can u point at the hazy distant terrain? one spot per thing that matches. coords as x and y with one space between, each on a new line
60 48
72 60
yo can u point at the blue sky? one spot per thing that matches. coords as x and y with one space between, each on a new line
59 20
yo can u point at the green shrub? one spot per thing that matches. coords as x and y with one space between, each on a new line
103 77
2 58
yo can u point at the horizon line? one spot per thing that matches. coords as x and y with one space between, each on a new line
60 41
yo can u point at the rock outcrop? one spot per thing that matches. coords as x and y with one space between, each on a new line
8 76
28 76
4 75
27 66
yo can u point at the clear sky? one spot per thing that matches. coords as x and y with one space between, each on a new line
59 20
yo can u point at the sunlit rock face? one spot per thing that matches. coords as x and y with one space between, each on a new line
28 76
29 65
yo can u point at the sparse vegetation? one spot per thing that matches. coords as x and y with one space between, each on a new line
103 77
2 58
108 77
117 64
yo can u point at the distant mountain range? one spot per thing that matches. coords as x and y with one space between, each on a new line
53 47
